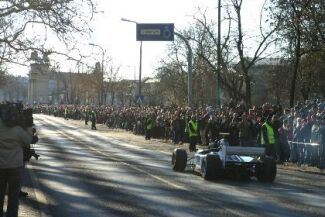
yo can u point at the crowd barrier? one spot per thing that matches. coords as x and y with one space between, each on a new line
308 153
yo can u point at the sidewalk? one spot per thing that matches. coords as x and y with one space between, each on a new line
35 204
302 168
29 206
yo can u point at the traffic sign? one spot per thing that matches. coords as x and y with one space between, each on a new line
139 99
155 32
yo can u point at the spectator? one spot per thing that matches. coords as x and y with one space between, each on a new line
268 138
193 132
284 149
245 131
12 141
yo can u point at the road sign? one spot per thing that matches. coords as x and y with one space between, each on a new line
155 32
139 99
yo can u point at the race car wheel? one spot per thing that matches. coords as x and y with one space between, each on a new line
211 167
179 159
266 171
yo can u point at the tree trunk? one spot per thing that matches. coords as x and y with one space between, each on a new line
113 98
295 70
248 89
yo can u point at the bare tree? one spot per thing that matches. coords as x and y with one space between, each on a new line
246 62
301 26
206 39
26 25
111 85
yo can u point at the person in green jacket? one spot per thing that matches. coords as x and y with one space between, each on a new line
66 112
268 138
193 132
148 127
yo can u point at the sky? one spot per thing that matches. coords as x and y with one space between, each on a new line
118 38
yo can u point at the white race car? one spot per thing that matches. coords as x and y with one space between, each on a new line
221 159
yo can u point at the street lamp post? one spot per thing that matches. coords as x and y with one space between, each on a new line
140 68
218 101
140 64
189 68
102 73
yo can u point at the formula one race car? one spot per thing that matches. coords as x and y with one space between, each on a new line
221 160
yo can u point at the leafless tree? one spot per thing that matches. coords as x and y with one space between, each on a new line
301 28
26 25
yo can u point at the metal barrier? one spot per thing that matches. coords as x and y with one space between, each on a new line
309 153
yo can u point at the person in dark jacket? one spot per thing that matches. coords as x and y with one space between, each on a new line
177 129
284 149
12 142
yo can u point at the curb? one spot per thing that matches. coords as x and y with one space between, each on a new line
320 172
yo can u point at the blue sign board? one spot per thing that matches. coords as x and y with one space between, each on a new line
155 32
139 99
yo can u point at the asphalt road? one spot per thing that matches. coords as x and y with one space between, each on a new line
88 173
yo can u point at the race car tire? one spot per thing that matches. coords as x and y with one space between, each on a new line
211 167
266 171
179 159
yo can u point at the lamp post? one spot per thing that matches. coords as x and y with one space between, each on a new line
102 73
189 68
140 64
218 101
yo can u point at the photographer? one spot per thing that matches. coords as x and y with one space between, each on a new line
13 138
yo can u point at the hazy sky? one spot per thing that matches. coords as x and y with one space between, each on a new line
118 38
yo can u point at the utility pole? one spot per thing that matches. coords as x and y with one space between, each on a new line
140 64
189 68
101 98
218 101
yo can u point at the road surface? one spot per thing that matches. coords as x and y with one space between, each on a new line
87 173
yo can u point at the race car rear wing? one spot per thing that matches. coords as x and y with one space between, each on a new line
245 151
241 151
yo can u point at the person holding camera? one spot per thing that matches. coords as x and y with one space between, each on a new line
12 141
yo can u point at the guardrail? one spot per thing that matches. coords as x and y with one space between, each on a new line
310 153
305 143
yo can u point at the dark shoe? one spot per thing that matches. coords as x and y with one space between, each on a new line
23 194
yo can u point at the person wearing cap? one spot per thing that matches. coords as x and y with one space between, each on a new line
193 132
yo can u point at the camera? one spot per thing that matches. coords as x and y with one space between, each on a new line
29 153
14 114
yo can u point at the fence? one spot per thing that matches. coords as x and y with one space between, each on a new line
311 154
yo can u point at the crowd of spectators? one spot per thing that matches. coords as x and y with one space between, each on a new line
299 131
